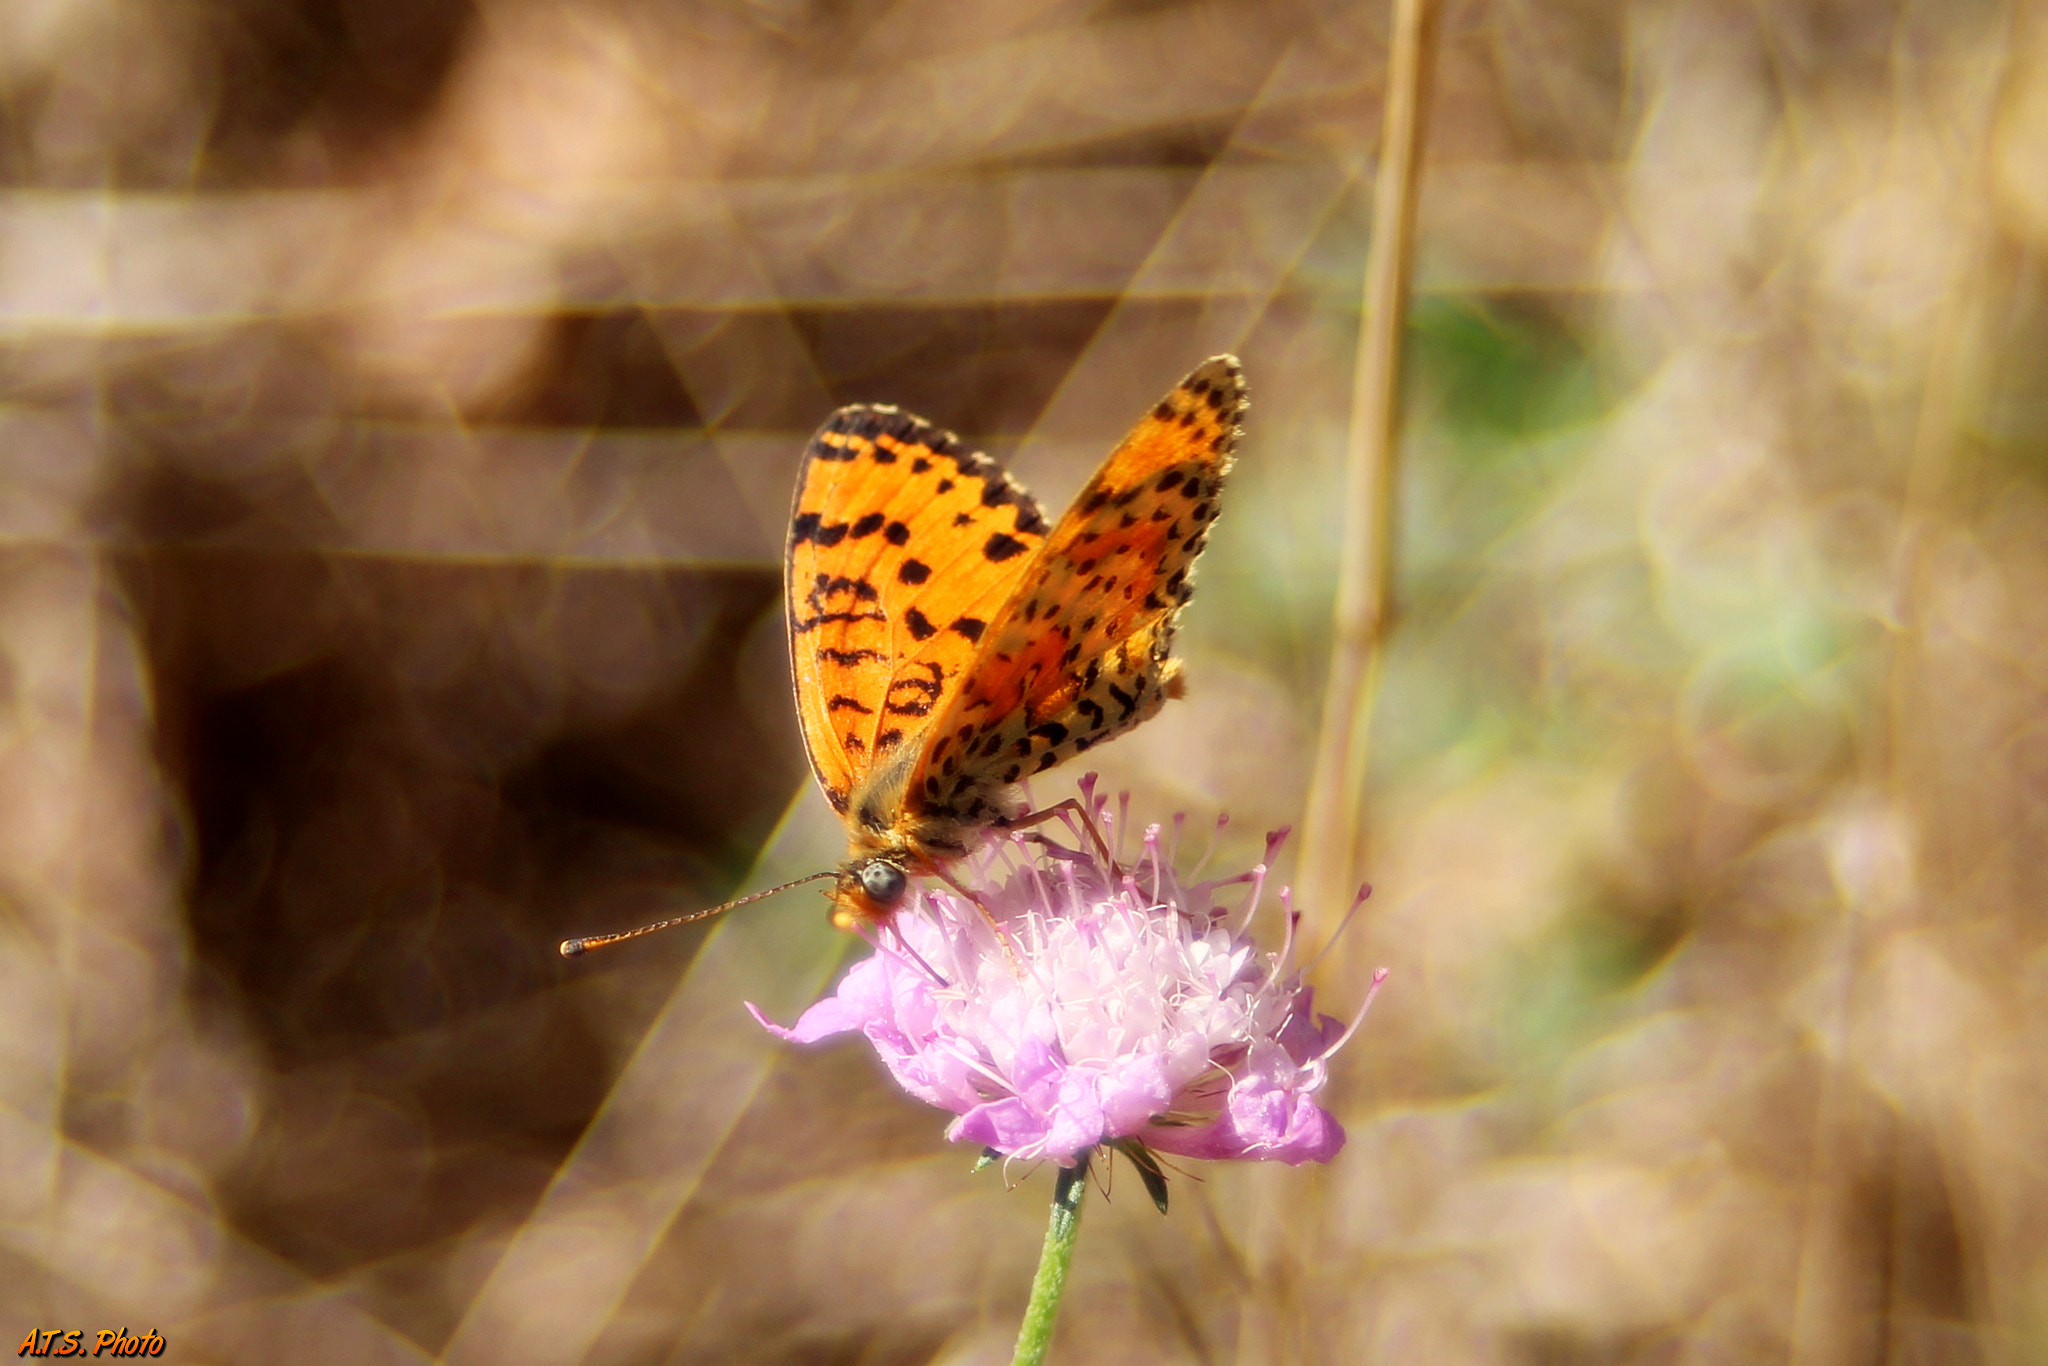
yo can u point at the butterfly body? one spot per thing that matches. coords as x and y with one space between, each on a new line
946 642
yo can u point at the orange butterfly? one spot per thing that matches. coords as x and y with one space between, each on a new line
945 643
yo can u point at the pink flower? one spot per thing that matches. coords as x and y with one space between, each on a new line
1124 1004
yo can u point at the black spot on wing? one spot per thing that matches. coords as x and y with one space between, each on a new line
1003 546
918 624
809 527
913 572
825 587
812 623
930 686
970 627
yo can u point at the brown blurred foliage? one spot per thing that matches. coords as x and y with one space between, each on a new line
398 406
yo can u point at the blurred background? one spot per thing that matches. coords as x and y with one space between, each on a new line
399 402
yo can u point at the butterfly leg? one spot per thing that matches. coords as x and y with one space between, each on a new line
1031 818
1002 937
904 945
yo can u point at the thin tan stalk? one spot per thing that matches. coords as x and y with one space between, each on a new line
1336 791
1282 1232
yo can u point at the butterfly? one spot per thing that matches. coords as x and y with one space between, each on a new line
946 642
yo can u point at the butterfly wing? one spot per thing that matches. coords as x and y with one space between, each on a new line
1082 649
902 543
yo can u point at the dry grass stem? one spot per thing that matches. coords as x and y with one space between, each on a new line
1335 808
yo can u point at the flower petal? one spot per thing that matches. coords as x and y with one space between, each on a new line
1259 1124
828 1017
1008 1125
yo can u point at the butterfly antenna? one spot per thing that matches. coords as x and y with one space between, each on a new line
575 948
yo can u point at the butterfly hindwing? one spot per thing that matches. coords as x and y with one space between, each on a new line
1082 649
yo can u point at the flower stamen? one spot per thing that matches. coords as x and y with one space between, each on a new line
1379 975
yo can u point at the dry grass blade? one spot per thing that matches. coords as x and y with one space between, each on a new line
1337 789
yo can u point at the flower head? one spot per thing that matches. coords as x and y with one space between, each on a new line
1089 1003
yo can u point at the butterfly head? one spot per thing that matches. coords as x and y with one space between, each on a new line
868 889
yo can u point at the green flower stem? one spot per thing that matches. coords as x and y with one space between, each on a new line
1034 1338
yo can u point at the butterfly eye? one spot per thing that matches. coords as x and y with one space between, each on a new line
884 882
